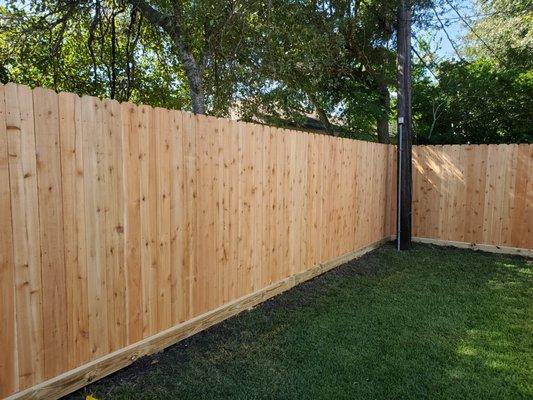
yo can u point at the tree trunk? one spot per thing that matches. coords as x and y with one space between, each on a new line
383 119
194 77
325 121
171 25
322 115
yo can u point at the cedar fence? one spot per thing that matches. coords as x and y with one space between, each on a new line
474 195
125 228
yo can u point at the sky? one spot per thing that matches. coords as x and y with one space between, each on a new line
454 27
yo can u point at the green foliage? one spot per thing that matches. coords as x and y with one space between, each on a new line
504 34
274 61
280 62
474 102
333 56
67 47
487 97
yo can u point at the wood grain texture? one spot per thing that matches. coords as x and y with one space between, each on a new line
474 194
179 271
124 224
81 376
94 199
489 248
8 356
131 127
25 222
114 229
54 295
72 174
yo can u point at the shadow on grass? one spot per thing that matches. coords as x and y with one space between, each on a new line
430 323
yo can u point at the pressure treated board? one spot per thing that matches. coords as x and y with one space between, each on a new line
74 379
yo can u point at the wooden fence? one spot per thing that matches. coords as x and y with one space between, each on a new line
124 228
474 194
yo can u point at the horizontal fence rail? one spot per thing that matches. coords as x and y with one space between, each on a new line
474 194
120 224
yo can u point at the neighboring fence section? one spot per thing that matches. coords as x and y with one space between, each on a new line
118 222
476 194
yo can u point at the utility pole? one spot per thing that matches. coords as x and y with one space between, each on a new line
404 185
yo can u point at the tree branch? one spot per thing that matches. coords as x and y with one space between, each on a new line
155 16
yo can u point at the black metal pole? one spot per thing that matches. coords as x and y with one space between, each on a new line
404 126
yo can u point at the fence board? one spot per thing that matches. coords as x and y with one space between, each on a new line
114 215
231 159
149 222
8 355
191 194
51 232
93 151
164 280
132 221
179 278
523 199
25 222
70 132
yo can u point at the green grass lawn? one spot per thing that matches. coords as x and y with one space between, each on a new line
433 322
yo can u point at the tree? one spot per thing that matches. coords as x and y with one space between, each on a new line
504 33
336 57
96 48
172 22
273 61
113 44
198 31
473 102
486 96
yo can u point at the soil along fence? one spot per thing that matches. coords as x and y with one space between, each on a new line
125 228
474 196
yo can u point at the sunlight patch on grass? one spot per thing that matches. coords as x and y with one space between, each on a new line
466 351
